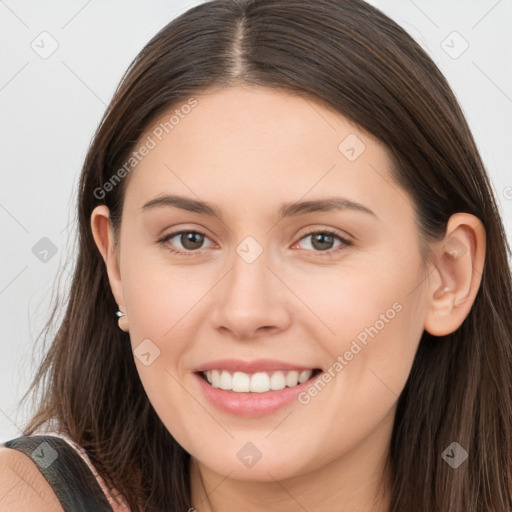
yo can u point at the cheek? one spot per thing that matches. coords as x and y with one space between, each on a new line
347 300
162 317
370 322
158 294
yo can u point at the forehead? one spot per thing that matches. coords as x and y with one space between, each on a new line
246 145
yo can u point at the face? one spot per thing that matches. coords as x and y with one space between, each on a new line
268 283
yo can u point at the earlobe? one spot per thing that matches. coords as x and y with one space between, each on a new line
454 283
103 236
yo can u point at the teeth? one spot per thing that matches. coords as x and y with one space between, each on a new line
292 378
304 376
261 382
240 382
225 381
277 381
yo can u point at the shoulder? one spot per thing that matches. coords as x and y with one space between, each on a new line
22 486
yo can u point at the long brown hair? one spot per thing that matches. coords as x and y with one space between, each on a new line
356 60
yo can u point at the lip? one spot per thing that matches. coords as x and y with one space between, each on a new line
254 366
252 405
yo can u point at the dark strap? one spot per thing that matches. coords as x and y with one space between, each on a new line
74 484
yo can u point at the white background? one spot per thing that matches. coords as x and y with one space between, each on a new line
51 107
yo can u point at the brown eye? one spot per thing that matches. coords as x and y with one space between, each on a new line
322 242
190 241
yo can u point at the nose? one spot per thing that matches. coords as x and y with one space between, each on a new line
252 301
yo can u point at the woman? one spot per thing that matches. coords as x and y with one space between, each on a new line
287 212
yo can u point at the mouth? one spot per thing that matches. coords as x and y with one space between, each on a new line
259 382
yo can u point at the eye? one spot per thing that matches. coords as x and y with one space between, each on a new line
190 241
322 241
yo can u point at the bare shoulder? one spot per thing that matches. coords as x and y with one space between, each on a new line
22 486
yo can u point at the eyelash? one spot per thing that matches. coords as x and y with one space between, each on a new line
344 241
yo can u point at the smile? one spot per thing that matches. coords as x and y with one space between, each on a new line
260 382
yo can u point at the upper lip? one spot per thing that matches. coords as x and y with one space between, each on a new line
257 365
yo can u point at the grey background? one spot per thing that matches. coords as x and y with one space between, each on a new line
51 105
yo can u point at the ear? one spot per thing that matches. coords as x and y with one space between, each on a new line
103 236
454 283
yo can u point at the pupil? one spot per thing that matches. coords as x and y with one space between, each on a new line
191 240
323 238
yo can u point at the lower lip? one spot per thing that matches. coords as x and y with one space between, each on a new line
252 404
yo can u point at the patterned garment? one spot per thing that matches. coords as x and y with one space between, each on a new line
69 471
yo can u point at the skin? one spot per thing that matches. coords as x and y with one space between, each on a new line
248 150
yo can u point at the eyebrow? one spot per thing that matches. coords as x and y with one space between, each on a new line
327 204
